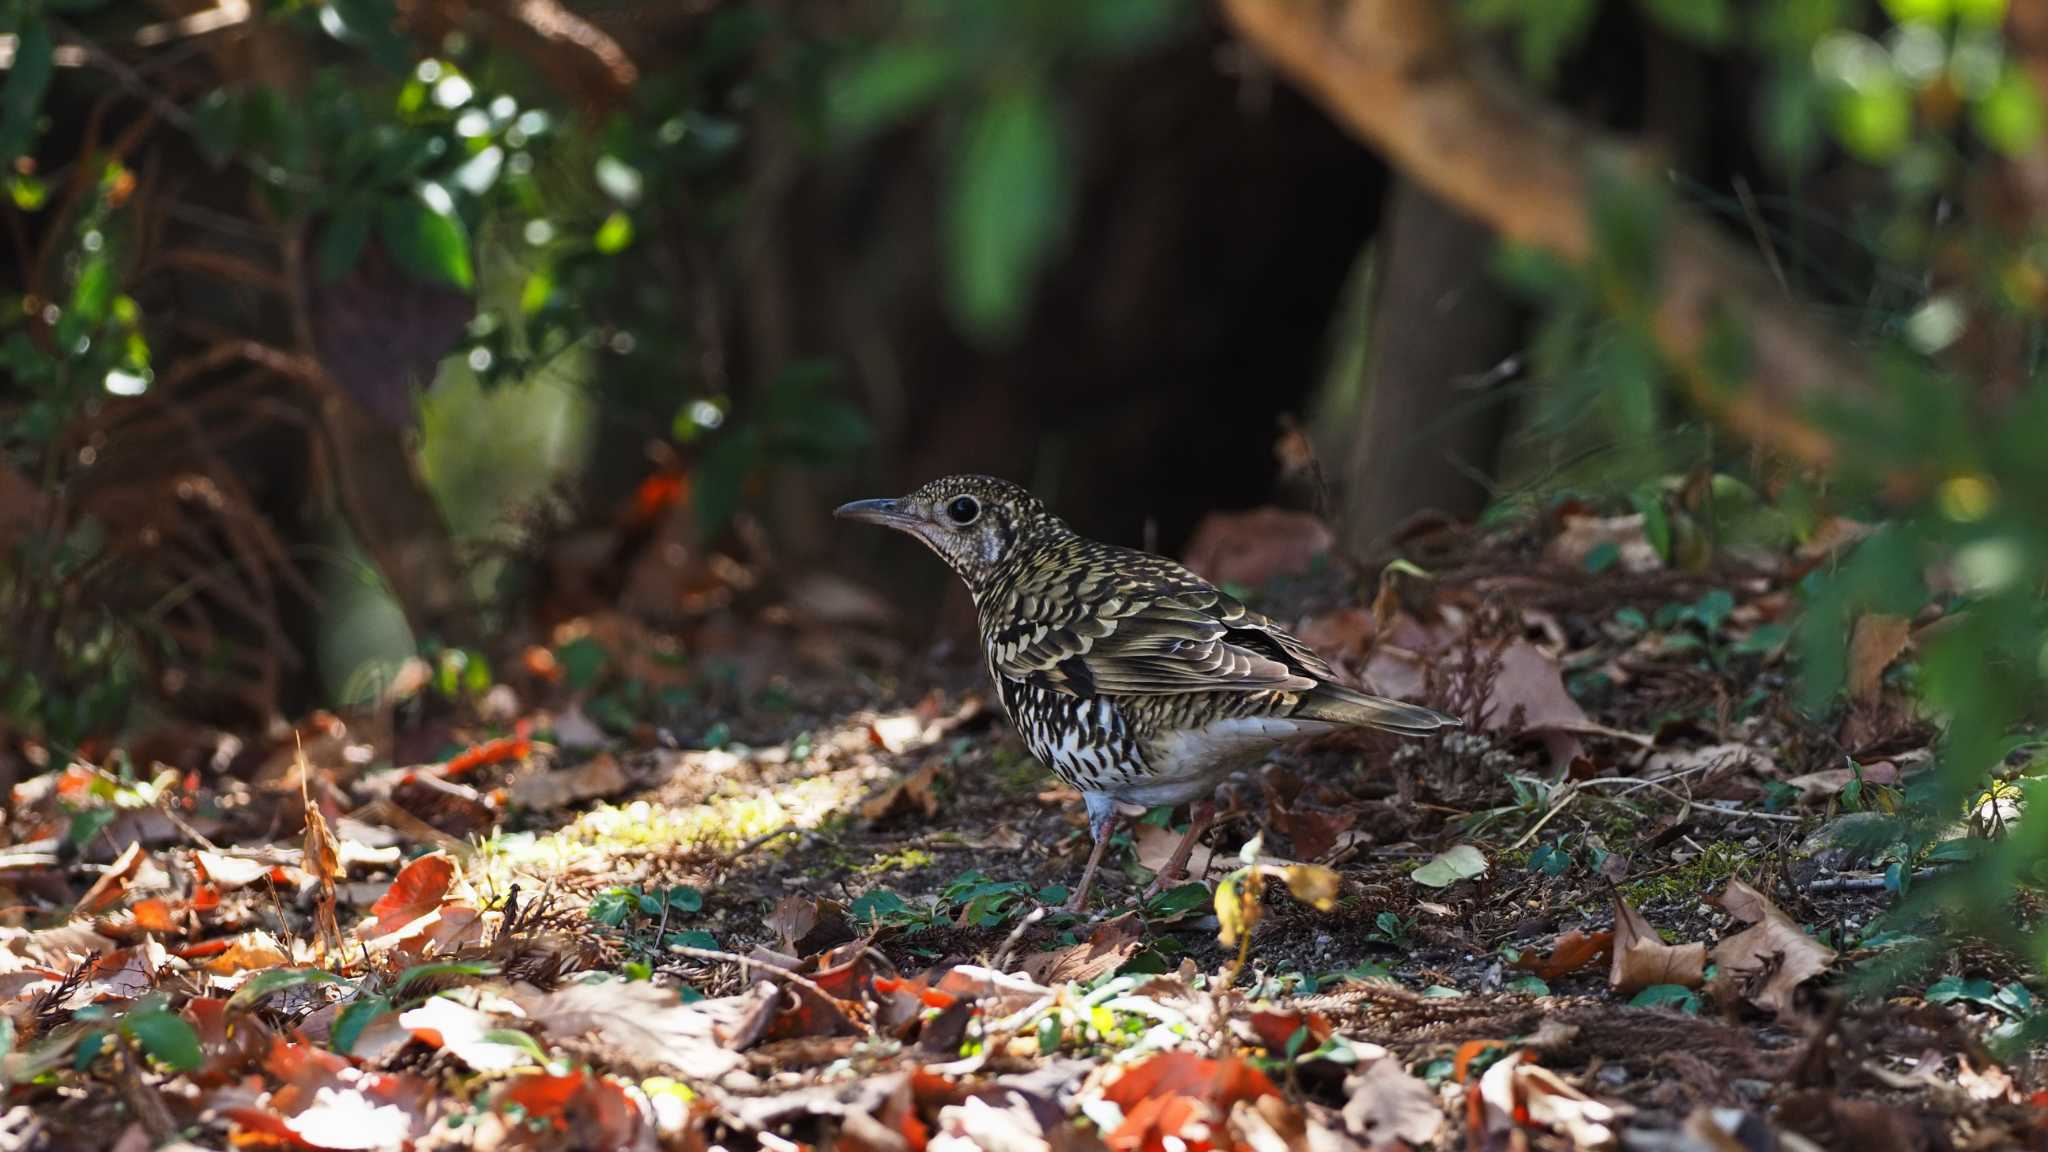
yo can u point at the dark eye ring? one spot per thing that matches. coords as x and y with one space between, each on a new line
962 510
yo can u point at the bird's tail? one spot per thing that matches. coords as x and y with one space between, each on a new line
1340 705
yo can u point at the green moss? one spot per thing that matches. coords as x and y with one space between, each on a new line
1700 878
907 860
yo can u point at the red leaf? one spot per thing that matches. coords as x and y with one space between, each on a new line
542 1096
154 915
1276 1029
1161 1096
1574 951
925 993
417 890
488 753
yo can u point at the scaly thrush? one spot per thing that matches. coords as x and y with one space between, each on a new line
1136 681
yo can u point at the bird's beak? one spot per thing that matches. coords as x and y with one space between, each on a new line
888 513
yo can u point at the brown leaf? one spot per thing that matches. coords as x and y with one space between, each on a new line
643 1025
1877 640
1573 951
1385 1103
1516 1091
107 890
912 793
322 858
1818 787
1112 943
1250 548
550 789
1640 959
229 872
442 1022
1582 534
1772 957
1155 846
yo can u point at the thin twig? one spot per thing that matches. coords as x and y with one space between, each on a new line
1002 958
1570 795
757 965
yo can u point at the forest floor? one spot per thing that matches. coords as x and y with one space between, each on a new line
759 887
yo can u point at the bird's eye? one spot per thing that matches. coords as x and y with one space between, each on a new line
962 510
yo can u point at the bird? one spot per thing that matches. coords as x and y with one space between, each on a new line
1137 682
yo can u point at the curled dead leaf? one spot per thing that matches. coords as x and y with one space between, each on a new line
1641 958
1772 957
1877 640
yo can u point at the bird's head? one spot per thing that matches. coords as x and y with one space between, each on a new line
972 522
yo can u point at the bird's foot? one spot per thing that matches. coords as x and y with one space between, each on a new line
1166 878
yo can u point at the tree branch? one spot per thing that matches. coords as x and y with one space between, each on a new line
1395 73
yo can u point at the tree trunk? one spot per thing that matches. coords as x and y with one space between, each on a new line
1435 410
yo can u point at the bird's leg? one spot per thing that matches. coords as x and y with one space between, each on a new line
1101 822
1200 815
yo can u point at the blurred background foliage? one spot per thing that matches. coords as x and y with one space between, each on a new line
341 330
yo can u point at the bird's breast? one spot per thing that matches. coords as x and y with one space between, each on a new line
1085 739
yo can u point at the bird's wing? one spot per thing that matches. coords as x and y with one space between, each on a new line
1150 633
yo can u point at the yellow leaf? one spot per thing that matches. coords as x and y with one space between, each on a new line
1231 910
1312 884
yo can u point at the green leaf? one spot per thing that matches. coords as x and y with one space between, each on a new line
1178 901
1006 209
436 970
348 1027
683 898
614 234
427 243
1529 986
2009 117
341 242
887 84
21 98
1124 25
1462 862
374 24
1628 233
89 1048
1674 996
261 985
1702 21
166 1037
524 1041
722 475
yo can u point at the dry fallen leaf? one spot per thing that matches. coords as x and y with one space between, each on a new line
643 1025
1770 959
463 1031
1180 1096
1580 535
1818 787
549 789
1250 548
1641 958
1573 951
108 889
912 793
1155 847
1105 950
1385 1103
418 889
1877 640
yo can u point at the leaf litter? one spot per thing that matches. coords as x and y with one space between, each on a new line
830 921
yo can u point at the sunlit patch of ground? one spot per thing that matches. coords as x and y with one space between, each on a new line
707 809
